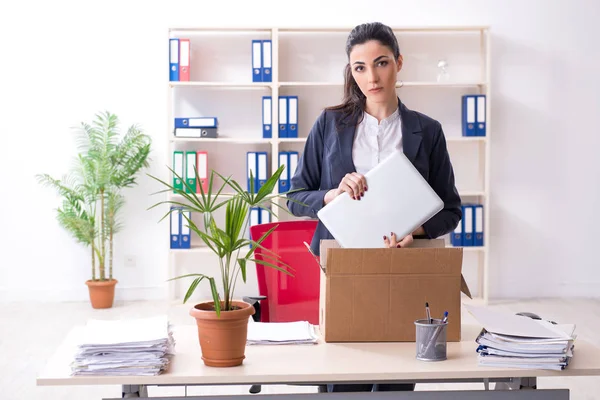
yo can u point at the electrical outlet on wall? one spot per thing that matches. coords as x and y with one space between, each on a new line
130 261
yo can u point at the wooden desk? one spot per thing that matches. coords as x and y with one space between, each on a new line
326 363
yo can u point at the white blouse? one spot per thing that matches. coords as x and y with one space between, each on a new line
373 141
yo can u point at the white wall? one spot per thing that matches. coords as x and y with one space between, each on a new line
63 61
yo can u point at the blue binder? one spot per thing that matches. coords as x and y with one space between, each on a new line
264 216
456 237
292 108
469 112
196 122
173 60
478 225
468 225
252 171
175 228
480 108
257 67
284 178
267 61
186 237
283 117
262 169
267 121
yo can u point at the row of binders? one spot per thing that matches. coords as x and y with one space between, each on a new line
180 233
179 60
258 169
196 127
188 164
288 117
185 164
180 237
262 61
473 115
469 231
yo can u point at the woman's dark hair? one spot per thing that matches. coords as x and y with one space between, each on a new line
353 104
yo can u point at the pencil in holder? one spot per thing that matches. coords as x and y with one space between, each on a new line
431 339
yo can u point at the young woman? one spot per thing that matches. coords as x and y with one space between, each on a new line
348 140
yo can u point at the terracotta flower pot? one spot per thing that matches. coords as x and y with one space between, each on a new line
222 339
102 293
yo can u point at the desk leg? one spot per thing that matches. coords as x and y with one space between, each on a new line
134 391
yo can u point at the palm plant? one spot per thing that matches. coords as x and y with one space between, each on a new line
229 241
107 163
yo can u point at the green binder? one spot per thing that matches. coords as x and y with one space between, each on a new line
190 171
178 168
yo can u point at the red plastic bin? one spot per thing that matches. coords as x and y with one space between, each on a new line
288 298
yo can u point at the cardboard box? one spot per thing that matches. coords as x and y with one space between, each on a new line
375 295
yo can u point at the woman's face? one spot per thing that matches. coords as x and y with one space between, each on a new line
375 69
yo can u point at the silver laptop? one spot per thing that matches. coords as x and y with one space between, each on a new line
399 200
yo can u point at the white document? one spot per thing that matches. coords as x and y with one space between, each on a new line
398 200
300 332
515 325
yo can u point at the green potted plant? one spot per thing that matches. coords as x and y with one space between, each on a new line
223 322
92 194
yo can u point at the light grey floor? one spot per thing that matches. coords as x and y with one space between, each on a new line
29 334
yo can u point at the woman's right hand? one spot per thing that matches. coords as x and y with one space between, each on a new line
354 184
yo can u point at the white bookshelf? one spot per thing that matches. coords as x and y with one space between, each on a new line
309 63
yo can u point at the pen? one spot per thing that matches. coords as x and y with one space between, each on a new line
428 313
437 332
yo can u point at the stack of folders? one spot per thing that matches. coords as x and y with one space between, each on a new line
514 341
132 347
299 332
196 127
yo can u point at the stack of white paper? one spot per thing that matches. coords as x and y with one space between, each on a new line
509 340
300 332
124 347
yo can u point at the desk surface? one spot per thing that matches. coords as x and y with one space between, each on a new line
324 362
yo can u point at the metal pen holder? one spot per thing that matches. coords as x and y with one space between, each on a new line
431 339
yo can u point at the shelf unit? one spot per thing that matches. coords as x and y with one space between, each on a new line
297 68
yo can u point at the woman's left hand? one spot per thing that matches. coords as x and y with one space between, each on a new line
391 241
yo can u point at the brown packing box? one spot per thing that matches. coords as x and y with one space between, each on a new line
375 295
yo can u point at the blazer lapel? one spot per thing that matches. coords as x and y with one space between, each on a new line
411 129
345 141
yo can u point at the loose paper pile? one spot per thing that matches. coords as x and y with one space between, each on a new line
124 347
300 332
509 340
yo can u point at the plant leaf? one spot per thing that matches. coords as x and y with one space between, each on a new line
268 264
215 295
242 263
191 289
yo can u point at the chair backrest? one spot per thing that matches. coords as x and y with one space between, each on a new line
289 298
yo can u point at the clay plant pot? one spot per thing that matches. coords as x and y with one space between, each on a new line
102 293
223 338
